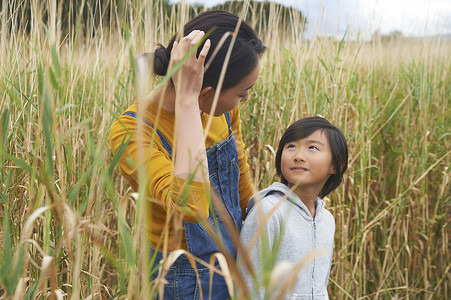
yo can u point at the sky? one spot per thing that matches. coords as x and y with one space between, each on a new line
361 18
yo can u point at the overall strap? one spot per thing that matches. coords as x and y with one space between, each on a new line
162 138
227 115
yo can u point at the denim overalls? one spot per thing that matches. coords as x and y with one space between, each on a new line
224 177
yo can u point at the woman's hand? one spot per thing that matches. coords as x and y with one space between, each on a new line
188 79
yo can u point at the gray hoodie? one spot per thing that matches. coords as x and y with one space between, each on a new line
292 235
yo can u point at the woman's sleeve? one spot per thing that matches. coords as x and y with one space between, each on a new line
246 187
159 178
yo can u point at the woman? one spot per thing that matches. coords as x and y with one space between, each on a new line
182 164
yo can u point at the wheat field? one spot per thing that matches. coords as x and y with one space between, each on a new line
70 225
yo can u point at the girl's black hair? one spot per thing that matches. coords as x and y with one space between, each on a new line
244 57
337 142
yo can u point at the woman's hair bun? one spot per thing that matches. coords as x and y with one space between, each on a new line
161 61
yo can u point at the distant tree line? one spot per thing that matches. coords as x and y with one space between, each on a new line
286 15
394 35
92 13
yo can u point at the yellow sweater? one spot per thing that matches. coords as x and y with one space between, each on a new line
161 210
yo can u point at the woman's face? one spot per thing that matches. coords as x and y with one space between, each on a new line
231 97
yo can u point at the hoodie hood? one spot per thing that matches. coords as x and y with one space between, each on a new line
279 190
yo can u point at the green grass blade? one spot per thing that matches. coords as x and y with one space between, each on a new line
47 125
127 242
56 61
7 255
120 150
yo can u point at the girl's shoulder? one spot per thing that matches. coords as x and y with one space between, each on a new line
328 215
270 197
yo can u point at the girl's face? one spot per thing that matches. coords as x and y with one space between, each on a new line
307 162
230 98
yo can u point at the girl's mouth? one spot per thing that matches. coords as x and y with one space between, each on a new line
299 169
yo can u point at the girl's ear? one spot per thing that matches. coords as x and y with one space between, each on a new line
332 170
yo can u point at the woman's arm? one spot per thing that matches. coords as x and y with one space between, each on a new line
166 180
190 154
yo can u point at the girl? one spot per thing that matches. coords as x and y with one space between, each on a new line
181 163
290 214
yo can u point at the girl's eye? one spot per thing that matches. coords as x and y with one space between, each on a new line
291 146
313 148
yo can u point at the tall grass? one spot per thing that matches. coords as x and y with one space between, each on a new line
72 228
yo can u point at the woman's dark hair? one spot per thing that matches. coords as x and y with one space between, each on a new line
337 143
244 57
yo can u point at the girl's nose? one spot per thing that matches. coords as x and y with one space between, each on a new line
299 157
